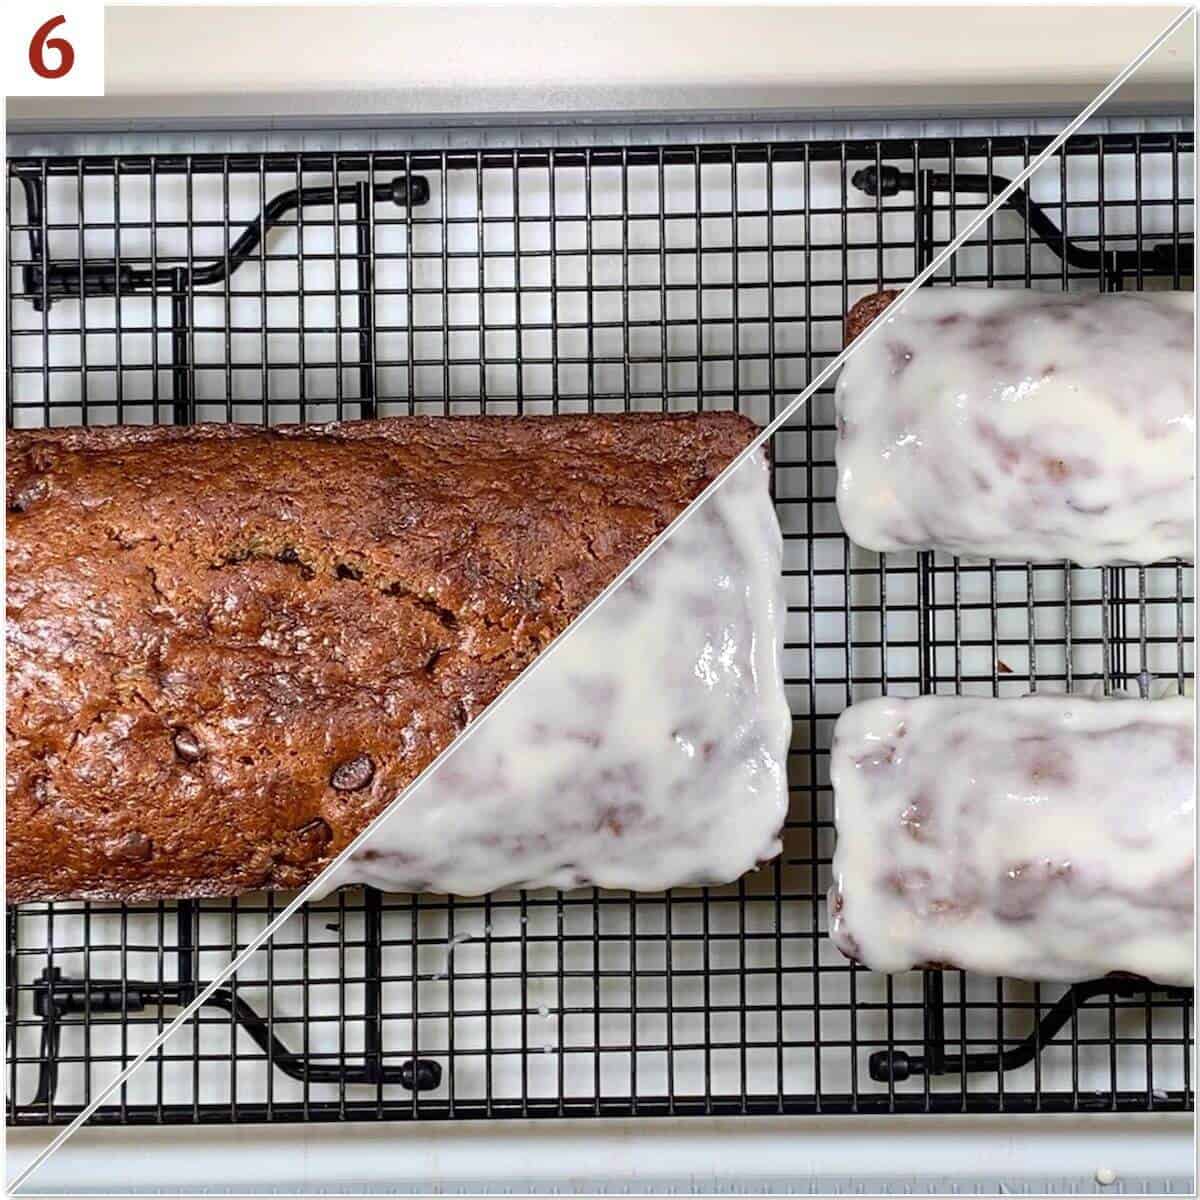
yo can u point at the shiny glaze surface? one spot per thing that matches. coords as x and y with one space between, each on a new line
1045 837
1023 425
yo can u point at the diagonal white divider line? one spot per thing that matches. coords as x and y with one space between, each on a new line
760 438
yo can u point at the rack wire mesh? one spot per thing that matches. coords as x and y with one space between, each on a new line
309 286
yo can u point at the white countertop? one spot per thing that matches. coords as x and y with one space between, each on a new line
326 63
800 1154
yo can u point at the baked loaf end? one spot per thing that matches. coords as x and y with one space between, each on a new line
229 647
864 311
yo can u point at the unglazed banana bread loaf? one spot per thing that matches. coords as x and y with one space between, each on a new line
230 647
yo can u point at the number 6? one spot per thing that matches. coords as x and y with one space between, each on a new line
42 42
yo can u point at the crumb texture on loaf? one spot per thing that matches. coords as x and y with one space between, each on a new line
1044 838
229 647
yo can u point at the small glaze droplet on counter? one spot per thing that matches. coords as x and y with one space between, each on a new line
353 775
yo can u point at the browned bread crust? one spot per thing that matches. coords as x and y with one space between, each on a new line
230 647
866 310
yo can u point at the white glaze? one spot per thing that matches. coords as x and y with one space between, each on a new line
1023 425
649 751
1045 837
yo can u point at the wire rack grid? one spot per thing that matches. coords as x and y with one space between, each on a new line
309 286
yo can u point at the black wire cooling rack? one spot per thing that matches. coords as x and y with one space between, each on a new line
307 286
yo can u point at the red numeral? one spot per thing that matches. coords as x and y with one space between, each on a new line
42 41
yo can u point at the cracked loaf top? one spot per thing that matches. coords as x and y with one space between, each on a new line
230 647
1021 425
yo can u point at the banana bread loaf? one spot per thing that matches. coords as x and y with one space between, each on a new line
1021 425
229 647
1045 837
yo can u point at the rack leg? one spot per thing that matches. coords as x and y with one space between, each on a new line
886 1066
185 940
935 1023
373 993
181 370
363 205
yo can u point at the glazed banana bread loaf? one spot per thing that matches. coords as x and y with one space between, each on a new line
230 647
1021 425
1046 837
